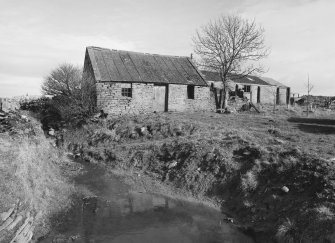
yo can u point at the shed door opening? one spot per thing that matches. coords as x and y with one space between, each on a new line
190 92
288 95
258 94
278 97
160 98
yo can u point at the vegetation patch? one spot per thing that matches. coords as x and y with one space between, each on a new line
280 189
34 176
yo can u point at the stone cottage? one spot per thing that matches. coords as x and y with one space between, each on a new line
131 82
256 89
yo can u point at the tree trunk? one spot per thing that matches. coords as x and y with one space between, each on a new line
225 97
307 105
217 104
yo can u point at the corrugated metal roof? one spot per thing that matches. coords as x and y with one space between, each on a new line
271 81
215 76
125 66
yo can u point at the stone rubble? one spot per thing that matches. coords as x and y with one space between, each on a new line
13 227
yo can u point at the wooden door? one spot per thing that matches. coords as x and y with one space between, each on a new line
159 98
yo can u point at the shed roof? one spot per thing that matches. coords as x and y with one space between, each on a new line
126 66
271 81
215 76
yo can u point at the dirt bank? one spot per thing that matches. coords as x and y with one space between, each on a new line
255 166
34 178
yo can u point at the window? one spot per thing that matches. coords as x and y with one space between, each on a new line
126 92
190 92
246 88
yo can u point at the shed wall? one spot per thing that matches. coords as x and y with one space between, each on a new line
267 96
110 100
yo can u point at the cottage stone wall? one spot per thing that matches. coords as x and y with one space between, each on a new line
110 99
267 96
178 100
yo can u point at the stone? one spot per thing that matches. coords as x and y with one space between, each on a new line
24 117
15 222
51 132
5 215
6 223
285 189
230 110
173 164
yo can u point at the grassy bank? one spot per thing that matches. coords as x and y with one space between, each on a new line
270 172
34 176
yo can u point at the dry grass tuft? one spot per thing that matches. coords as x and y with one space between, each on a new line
249 181
30 171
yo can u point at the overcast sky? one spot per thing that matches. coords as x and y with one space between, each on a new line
38 35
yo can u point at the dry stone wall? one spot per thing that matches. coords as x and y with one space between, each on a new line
7 104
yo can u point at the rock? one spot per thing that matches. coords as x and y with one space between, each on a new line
51 132
15 222
6 223
279 141
143 129
246 152
230 110
285 189
173 164
5 215
24 117
245 107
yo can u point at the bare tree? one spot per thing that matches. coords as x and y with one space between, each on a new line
230 46
63 80
74 91
309 89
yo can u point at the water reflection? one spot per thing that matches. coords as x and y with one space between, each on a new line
119 215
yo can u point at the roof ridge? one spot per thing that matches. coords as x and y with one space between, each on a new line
144 53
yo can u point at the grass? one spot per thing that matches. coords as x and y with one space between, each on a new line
242 160
34 172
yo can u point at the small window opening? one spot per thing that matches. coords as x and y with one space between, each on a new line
126 92
190 92
246 88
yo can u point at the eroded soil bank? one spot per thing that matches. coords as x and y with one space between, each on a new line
120 209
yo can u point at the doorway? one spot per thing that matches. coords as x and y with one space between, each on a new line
160 103
258 94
